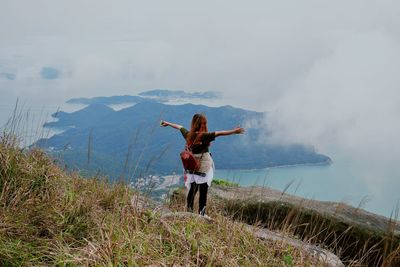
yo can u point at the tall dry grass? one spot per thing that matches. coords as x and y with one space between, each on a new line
50 217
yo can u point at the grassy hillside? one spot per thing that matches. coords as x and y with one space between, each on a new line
50 217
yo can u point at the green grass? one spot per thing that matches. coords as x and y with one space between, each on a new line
222 182
52 218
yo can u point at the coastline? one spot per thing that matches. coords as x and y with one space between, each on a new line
173 178
323 163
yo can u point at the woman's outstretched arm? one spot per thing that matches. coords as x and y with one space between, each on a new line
173 125
237 130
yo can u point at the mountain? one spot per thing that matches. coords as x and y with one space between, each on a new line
129 142
88 116
8 76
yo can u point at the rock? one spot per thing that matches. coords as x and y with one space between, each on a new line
323 256
141 203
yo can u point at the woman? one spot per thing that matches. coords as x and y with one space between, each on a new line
199 139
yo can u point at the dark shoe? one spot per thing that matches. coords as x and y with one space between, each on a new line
203 211
189 209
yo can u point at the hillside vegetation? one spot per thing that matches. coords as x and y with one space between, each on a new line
50 217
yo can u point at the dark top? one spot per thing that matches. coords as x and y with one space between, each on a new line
201 145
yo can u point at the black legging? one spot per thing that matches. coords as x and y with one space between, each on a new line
203 188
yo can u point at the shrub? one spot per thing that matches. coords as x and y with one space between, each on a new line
224 183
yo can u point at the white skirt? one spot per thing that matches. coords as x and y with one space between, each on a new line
198 179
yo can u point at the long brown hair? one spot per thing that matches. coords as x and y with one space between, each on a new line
197 128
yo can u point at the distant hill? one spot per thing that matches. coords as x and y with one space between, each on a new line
129 142
108 100
159 95
167 94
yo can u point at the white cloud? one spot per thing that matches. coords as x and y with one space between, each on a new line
326 71
351 93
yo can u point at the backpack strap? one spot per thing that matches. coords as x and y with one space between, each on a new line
189 147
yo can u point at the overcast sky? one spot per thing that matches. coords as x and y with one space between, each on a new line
328 72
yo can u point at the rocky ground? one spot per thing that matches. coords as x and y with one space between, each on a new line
341 211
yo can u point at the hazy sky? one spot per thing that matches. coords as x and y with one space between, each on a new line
328 72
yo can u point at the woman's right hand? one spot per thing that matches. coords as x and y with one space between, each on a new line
163 123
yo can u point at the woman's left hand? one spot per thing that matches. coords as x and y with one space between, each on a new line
239 130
